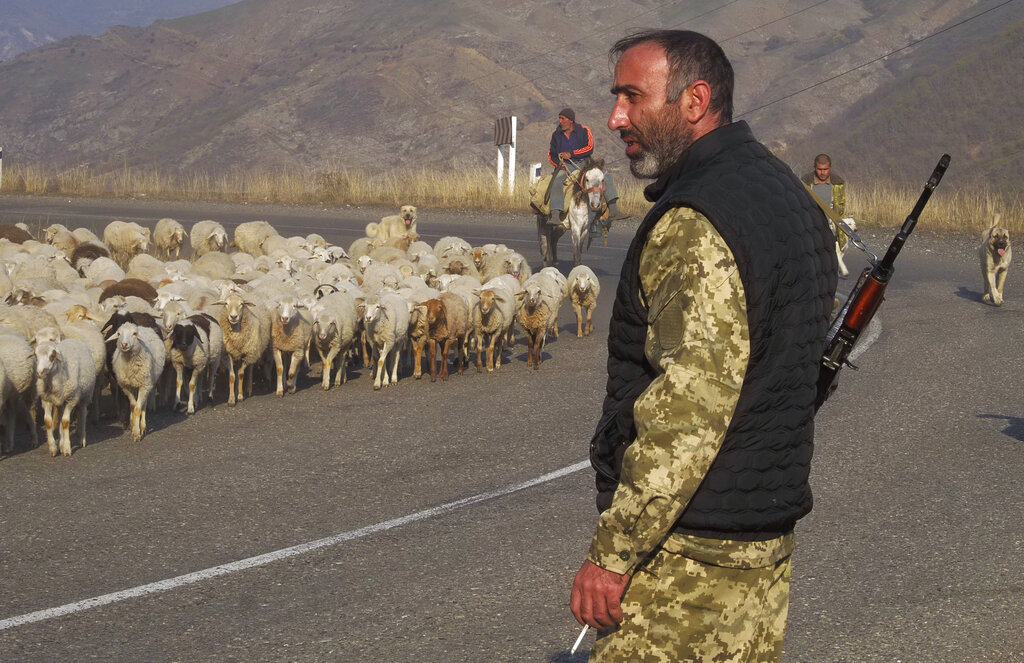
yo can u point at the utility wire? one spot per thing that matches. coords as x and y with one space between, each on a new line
852 69
870 62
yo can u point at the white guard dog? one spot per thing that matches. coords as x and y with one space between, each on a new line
394 225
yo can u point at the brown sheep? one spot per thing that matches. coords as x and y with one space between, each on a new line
130 287
447 322
13 233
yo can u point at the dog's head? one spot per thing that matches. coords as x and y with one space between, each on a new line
998 239
408 214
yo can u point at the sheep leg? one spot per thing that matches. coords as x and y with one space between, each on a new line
51 442
231 380
342 374
590 323
433 360
417 358
381 376
479 351
30 407
326 364
365 345
65 429
140 419
243 385
396 356
178 379
294 361
499 347
579 319
279 363
444 358
192 392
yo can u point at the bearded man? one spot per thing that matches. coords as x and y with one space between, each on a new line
704 446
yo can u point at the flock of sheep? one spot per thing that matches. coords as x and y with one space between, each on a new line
126 312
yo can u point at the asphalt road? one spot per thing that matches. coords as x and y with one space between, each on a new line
914 550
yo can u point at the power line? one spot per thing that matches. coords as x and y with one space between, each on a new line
880 57
852 69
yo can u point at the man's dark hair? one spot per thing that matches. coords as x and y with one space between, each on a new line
691 57
823 159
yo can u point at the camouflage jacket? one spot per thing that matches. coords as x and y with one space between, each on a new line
699 340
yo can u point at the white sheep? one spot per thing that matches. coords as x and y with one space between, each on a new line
87 332
146 268
493 315
583 291
125 239
138 363
207 236
246 327
168 238
536 313
452 246
290 332
386 319
65 379
26 320
102 269
17 385
250 236
335 331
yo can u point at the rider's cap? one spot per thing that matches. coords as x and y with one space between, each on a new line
568 112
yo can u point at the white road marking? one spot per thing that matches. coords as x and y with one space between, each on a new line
284 553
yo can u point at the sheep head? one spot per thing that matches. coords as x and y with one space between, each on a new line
48 358
127 337
486 300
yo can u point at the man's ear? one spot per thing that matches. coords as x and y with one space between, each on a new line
695 101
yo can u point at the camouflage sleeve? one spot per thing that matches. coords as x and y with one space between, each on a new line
698 337
839 199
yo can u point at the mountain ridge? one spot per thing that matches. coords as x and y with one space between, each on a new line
315 85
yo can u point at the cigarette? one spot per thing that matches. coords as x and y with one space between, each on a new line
578 640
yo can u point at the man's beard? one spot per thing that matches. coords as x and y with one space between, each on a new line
662 141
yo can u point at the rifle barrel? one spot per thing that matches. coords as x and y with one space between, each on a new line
883 270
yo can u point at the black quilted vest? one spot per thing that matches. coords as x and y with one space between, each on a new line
757 487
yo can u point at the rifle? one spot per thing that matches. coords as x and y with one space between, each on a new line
866 297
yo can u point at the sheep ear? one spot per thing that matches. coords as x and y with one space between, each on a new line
246 302
219 302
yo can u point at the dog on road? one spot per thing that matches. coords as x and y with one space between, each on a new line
995 255
395 225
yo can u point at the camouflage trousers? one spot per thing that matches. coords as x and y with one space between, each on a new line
702 599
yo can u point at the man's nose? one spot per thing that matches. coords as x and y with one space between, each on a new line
618 119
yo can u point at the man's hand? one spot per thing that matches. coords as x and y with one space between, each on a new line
565 155
597 596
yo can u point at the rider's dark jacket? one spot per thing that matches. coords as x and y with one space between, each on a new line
579 143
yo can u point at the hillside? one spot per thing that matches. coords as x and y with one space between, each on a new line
25 25
323 84
959 99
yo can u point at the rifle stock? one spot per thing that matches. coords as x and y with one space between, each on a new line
866 297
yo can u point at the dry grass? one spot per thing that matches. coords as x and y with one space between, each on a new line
878 205
947 210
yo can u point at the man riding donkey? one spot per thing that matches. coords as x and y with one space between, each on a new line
572 145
